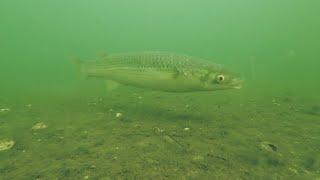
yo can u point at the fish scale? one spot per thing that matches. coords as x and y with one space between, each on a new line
156 60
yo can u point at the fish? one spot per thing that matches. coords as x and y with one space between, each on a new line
161 71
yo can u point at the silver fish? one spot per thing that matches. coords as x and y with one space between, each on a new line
161 71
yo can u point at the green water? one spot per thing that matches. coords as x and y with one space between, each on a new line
269 129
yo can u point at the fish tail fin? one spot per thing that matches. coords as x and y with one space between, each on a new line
80 68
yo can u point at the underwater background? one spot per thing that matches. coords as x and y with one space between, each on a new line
57 125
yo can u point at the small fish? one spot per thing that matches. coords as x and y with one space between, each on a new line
160 71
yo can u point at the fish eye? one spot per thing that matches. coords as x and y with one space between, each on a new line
220 77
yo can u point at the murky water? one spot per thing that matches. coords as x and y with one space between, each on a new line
57 125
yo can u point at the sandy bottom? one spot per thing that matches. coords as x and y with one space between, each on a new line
151 135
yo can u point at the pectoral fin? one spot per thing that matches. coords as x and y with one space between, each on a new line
176 73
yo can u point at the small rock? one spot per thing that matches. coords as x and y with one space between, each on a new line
186 129
39 125
6 144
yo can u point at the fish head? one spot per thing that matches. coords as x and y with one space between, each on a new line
222 79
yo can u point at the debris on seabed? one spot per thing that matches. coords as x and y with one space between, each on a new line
6 144
186 129
118 115
39 125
